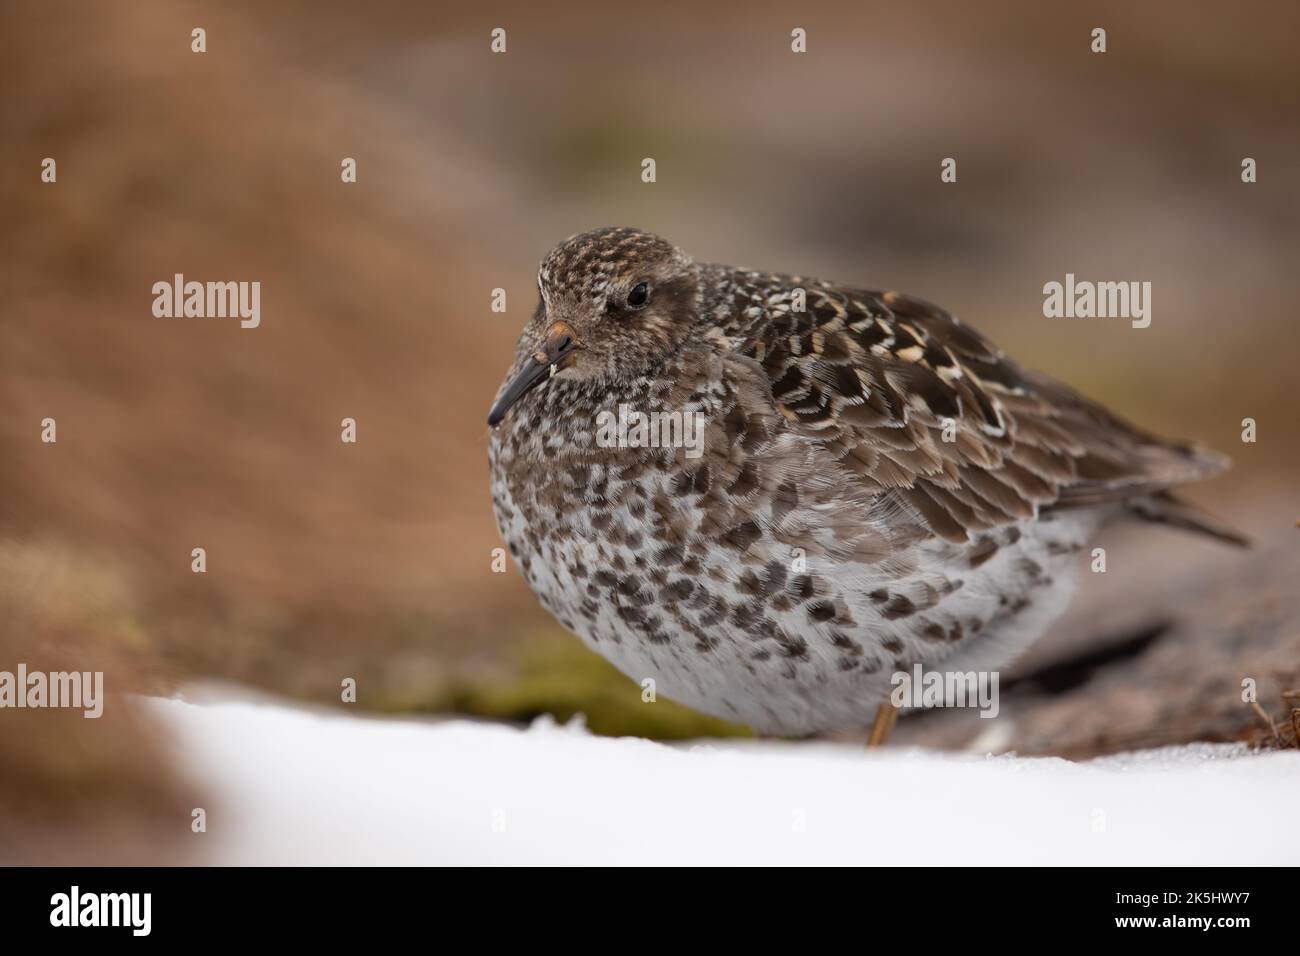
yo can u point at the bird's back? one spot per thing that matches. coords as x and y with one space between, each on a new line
930 414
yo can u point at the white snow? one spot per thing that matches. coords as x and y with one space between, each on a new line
285 785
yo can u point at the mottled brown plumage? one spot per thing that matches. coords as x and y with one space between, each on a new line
879 485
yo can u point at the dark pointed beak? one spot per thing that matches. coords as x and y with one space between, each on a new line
556 352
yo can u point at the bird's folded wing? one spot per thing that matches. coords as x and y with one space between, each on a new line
925 411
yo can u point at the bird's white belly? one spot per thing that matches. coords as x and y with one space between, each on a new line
780 670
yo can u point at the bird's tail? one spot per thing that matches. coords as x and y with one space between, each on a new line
1163 508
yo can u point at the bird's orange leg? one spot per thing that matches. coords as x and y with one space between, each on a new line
886 717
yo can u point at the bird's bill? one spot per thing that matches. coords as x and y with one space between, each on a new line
556 352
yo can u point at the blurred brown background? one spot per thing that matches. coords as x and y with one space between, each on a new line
328 560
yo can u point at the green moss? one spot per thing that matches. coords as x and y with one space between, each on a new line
560 677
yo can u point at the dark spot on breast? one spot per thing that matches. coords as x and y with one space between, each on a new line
743 535
695 482
631 471
704 644
803 587
898 606
821 611
845 643
793 648
670 555
744 615
1030 568
679 590
932 631
776 577
716 612
631 590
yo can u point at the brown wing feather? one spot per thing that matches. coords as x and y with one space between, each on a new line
876 376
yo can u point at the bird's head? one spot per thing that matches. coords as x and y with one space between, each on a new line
615 303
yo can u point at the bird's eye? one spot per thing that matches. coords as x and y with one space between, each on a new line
637 297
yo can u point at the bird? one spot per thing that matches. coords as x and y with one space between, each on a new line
876 486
